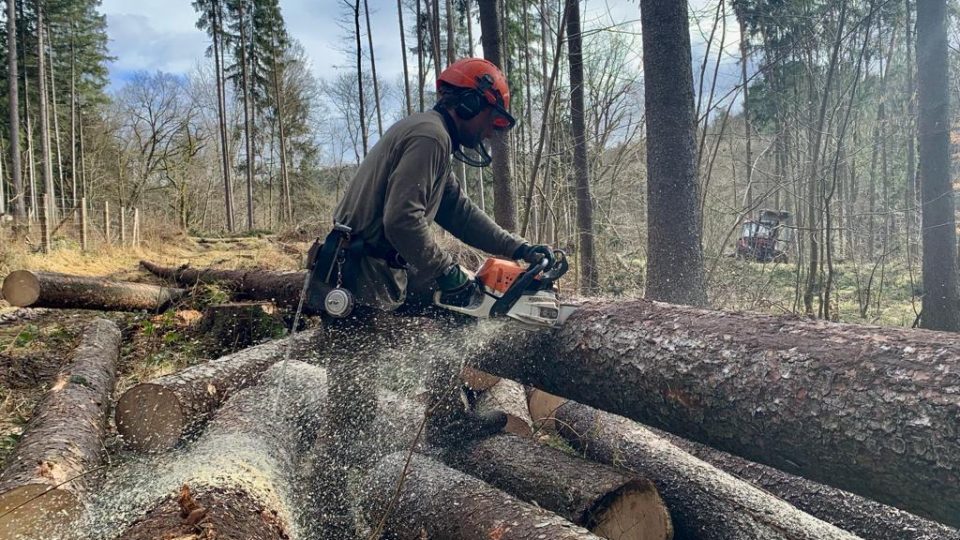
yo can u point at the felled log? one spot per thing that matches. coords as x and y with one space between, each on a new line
477 380
437 502
282 288
866 409
47 289
509 397
44 485
155 415
609 502
849 511
242 474
705 503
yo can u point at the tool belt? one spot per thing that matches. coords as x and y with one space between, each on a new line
322 259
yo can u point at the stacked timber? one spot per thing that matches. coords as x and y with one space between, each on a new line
26 288
866 409
156 415
45 483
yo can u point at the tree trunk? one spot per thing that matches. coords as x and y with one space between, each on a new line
44 118
674 254
222 115
941 295
44 486
56 134
589 280
705 503
609 502
373 69
18 199
287 201
408 99
247 107
451 36
264 435
363 112
25 288
282 288
438 502
504 205
420 71
880 403
155 415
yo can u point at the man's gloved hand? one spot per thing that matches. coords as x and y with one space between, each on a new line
456 287
534 253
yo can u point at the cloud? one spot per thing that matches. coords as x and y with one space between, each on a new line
138 44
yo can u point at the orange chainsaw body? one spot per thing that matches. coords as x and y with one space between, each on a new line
499 274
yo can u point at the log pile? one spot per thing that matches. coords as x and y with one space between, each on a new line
766 407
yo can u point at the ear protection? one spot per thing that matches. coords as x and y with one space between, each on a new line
473 100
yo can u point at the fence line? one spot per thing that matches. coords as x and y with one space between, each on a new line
109 226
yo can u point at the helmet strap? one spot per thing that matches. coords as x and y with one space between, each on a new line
482 156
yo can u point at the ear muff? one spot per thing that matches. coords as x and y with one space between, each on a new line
470 104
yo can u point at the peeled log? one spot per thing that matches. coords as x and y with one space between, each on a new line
282 288
509 397
866 409
245 465
607 501
43 486
705 502
47 289
155 415
440 503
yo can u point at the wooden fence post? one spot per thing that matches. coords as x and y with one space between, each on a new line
45 224
123 226
136 227
83 224
106 221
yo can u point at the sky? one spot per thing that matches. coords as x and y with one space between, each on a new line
162 35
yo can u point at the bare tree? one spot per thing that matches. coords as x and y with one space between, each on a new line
941 296
408 101
675 270
373 69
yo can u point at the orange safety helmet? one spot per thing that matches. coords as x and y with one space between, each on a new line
483 85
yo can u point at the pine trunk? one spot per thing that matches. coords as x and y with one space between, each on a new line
18 198
881 404
247 124
222 116
155 415
44 118
25 288
435 501
44 486
282 288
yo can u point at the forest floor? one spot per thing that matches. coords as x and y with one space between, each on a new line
35 343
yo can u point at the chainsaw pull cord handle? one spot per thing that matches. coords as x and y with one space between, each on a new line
510 297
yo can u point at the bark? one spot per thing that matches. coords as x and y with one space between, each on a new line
609 502
504 205
373 69
253 491
47 289
865 409
247 108
282 288
408 99
363 113
44 485
941 290
476 380
155 415
437 502
44 117
222 117
19 209
675 258
589 280
705 503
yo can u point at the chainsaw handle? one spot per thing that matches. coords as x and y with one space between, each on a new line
510 297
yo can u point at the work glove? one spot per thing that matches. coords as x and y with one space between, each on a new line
456 287
534 253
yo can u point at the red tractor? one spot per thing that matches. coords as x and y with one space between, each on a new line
766 238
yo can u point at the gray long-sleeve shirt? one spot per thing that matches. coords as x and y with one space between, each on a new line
403 184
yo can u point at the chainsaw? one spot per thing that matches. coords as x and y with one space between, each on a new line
528 295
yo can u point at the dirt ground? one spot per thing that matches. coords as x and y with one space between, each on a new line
36 343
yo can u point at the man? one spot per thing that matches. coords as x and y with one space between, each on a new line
403 184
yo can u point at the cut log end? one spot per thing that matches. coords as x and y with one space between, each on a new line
150 418
477 380
21 288
633 512
36 511
542 407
